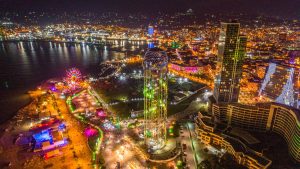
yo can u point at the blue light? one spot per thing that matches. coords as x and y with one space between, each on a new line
270 72
150 30
151 45
279 85
62 127
43 136
287 95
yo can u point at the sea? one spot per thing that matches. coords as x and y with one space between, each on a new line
26 64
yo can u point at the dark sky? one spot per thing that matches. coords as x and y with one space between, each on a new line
267 7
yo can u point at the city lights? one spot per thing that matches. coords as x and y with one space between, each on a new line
160 85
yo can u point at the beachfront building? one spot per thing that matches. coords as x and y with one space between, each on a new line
273 117
209 134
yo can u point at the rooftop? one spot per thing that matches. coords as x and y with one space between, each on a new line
239 146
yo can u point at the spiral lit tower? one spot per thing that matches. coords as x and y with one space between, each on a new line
155 97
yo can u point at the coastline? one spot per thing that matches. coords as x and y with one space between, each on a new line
13 102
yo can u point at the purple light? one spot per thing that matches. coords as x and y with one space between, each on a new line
89 132
53 88
189 69
176 67
101 113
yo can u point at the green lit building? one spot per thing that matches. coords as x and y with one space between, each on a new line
231 53
155 97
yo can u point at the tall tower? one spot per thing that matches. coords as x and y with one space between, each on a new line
155 97
231 52
151 36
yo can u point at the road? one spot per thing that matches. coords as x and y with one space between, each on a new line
185 138
194 152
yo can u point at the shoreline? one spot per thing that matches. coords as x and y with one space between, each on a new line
16 99
12 104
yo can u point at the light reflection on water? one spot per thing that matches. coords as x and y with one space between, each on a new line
31 62
23 65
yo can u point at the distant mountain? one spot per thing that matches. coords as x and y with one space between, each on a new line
286 8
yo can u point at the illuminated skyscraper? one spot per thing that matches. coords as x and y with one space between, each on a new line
281 84
150 31
231 52
151 36
155 97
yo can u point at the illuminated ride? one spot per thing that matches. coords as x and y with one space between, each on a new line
73 79
155 97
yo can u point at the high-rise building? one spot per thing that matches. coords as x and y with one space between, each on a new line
279 118
151 35
231 52
155 97
150 31
281 84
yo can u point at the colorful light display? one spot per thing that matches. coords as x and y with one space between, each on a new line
90 132
186 69
73 79
280 84
99 141
108 126
155 97
101 113
43 136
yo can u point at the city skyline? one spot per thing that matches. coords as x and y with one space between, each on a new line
183 84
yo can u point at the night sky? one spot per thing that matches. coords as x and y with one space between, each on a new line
288 8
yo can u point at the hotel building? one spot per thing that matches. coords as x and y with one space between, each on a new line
231 52
274 117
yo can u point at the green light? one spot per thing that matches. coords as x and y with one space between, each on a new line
155 96
99 140
179 163
94 156
148 133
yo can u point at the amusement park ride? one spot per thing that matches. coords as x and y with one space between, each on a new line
72 82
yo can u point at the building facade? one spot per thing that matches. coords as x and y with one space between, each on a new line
286 122
281 84
242 154
248 117
155 97
275 117
231 52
